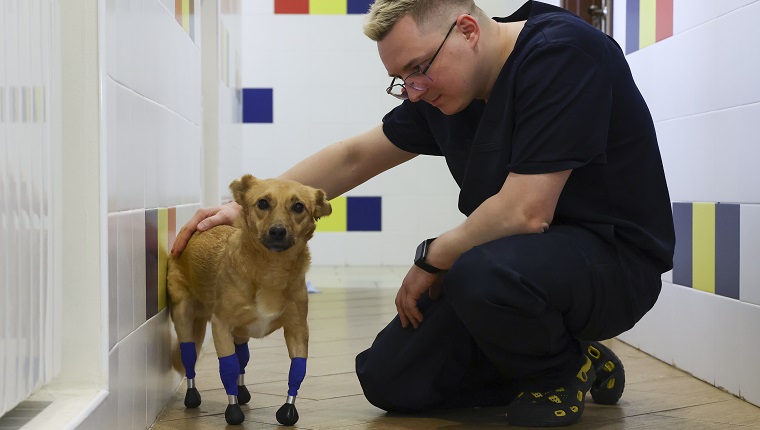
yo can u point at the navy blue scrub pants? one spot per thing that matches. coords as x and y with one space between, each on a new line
511 316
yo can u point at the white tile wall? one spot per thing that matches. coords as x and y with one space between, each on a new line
152 102
688 14
749 353
749 269
701 87
716 73
709 156
711 337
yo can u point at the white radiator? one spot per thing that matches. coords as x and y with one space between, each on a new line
28 309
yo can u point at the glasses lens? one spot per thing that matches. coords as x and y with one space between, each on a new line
417 81
398 91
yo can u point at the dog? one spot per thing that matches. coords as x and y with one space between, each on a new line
248 280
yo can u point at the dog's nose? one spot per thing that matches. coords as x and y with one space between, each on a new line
277 232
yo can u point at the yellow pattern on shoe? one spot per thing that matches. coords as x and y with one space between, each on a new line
609 383
558 407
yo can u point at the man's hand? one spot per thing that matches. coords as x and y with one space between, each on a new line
416 282
204 219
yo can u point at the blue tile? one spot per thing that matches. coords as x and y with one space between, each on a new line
683 220
632 26
151 263
258 105
364 214
358 6
727 250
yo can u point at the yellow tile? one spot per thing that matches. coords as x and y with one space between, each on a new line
703 247
338 219
328 7
647 22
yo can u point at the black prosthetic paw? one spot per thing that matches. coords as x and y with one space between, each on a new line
287 415
192 398
233 414
243 395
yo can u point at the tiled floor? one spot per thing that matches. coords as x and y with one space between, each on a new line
353 305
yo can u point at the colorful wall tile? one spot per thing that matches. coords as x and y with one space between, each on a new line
160 231
647 22
353 214
322 7
707 251
258 105
184 13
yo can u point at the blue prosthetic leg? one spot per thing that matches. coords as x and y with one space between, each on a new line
287 414
189 357
243 355
229 370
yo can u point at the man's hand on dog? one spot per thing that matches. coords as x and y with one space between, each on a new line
415 284
204 219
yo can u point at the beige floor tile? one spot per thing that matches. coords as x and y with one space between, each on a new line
353 306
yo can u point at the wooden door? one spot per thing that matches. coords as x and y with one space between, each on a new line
596 12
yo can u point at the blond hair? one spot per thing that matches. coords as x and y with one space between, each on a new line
427 14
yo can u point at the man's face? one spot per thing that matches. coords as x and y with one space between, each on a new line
406 51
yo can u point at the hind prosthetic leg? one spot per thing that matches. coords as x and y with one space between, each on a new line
189 357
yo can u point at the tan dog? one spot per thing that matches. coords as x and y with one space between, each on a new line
248 280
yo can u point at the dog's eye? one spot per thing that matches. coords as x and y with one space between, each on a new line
262 204
298 207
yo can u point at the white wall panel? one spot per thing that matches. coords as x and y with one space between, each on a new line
749 353
711 156
688 14
701 87
749 274
700 81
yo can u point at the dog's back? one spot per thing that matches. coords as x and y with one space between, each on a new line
193 274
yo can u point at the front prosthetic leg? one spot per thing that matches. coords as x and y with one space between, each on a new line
229 370
243 355
287 414
189 357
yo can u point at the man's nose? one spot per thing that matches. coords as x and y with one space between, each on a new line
414 95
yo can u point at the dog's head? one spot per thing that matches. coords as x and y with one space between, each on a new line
280 213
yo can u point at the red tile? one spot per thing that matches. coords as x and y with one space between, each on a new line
291 6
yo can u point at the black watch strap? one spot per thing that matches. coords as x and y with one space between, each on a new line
420 257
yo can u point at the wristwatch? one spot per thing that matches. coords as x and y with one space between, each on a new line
421 255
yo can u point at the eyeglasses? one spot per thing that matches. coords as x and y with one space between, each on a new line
418 80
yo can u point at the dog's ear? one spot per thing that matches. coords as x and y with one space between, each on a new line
321 206
240 186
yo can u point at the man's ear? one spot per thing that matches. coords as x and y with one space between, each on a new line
470 28
239 187
321 206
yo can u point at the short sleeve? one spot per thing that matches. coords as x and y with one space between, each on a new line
562 108
407 127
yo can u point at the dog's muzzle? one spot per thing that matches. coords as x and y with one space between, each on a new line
277 238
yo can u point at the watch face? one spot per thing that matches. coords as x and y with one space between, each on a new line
420 253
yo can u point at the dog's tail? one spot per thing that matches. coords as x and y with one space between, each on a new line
199 334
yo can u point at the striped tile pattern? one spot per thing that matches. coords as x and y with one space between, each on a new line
160 231
647 22
708 243
321 7
184 13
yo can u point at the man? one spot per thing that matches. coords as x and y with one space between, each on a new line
568 225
